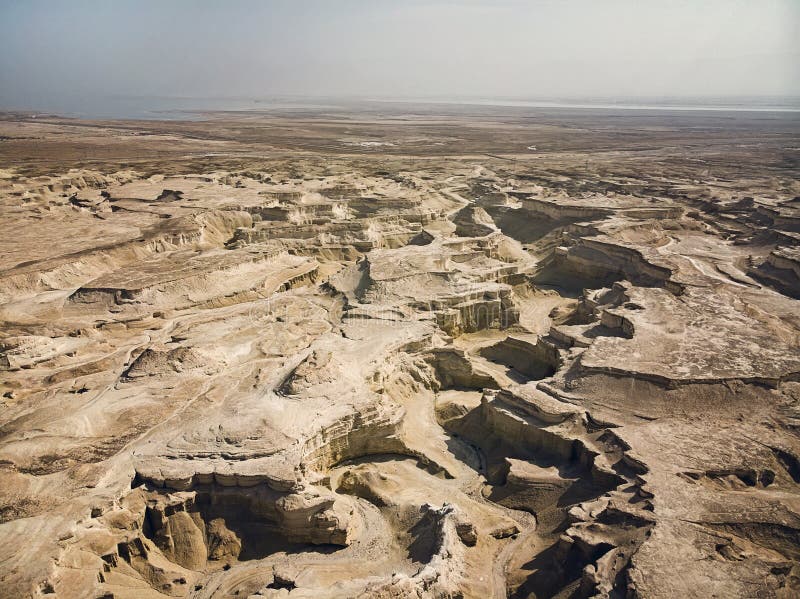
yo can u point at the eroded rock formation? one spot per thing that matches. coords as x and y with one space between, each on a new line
400 376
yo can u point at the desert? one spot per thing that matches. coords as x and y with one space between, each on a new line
400 350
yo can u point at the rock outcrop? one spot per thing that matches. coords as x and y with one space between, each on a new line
443 366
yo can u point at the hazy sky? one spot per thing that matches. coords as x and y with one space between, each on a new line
543 48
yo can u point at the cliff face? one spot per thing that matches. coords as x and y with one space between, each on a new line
321 372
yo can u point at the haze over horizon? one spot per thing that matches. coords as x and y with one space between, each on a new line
54 55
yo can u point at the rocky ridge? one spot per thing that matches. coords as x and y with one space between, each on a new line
451 382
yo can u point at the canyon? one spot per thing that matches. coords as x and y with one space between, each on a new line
400 351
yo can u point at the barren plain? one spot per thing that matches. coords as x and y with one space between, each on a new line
401 351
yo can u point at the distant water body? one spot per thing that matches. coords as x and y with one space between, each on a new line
171 108
666 104
158 108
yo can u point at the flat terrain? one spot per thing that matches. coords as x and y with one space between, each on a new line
401 351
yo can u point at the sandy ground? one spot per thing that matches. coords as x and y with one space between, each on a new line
412 351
